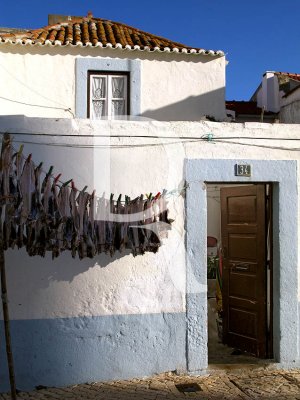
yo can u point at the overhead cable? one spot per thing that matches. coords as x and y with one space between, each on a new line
206 137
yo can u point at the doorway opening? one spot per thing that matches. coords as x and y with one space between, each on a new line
239 273
283 176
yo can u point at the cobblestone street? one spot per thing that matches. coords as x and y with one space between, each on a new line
246 384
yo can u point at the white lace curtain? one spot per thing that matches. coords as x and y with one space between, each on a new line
108 96
118 87
98 96
118 96
98 87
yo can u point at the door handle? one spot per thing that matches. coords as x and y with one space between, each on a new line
244 267
240 266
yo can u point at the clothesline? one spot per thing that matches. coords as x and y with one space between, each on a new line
43 216
167 193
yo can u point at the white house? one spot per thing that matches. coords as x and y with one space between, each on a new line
47 72
118 317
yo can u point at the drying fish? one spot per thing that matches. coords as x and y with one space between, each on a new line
110 227
45 216
27 187
100 225
6 166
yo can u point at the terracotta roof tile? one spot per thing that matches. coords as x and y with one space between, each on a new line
96 32
295 77
288 82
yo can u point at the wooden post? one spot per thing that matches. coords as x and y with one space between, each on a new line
10 362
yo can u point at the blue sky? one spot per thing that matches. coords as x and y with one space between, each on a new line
256 35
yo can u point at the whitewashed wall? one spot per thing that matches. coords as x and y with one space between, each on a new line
131 170
124 309
40 82
290 108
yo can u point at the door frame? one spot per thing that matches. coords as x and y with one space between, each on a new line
283 176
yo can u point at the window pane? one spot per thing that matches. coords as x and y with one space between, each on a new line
117 107
118 87
108 95
98 87
98 109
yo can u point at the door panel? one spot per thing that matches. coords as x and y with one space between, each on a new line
243 323
242 206
242 246
243 286
244 271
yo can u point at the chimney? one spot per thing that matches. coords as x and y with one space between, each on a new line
57 18
270 92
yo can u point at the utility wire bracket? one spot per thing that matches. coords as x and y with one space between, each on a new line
210 138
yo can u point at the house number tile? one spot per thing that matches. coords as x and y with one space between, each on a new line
243 170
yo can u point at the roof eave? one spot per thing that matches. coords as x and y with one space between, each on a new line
57 43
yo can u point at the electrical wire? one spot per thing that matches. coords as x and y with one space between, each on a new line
130 146
99 146
262 146
203 137
38 105
179 191
168 194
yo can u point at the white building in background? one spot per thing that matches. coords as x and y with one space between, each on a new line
277 99
275 86
290 106
108 318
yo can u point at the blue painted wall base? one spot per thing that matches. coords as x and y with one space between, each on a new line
60 352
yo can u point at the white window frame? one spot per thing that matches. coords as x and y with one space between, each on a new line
108 99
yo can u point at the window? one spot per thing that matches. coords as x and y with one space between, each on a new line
107 94
85 67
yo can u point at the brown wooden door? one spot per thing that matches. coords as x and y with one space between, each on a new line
244 268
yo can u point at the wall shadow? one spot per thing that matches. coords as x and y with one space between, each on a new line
64 268
211 104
